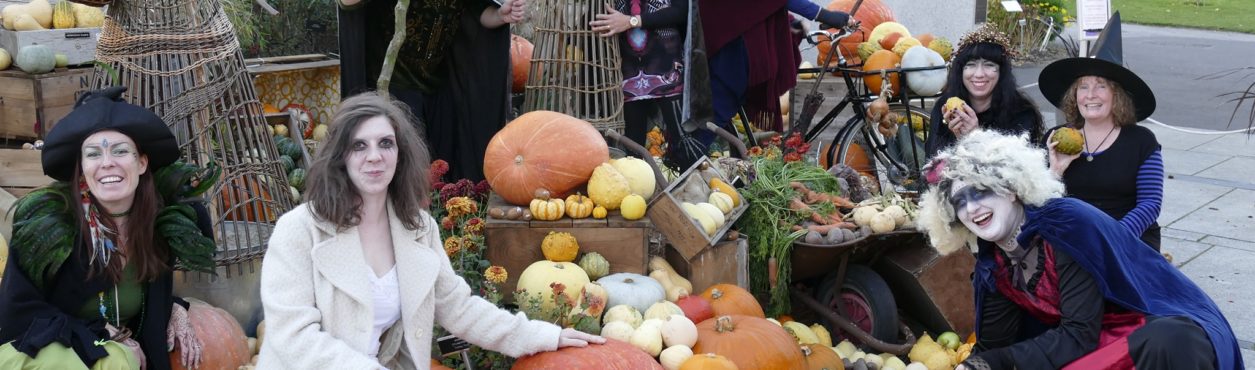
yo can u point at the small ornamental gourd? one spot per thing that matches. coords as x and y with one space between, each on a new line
632 207
559 247
595 265
599 212
579 206
546 209
36 59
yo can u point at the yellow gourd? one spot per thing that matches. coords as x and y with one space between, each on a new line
63 15
87 16
607 186
632 207
6 60
599 212
26 22
723 187
559 247
579 206
547 209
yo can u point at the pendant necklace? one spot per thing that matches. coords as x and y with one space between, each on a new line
1089 155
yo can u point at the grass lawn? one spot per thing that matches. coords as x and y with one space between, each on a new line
1227 15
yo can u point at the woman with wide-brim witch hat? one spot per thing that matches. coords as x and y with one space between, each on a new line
1121 169
89 282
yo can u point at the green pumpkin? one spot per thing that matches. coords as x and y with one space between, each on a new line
595 265
36 59
296 178
288 163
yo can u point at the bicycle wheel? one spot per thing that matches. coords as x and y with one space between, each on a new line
864 150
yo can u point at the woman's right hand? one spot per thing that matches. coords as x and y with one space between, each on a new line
1059 162
130 343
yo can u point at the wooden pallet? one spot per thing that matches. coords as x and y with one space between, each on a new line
23 172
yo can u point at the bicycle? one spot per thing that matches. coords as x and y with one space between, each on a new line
899 158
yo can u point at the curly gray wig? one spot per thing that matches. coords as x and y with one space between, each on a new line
1005 164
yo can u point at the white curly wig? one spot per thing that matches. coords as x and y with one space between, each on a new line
986 159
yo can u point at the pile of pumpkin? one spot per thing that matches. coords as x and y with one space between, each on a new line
707 199
542 159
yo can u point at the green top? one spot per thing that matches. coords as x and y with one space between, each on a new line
130 296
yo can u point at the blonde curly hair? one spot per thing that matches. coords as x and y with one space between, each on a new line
986 159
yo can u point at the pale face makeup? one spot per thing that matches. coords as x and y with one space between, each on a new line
1093 98
979 77
372 159
991 216
111 166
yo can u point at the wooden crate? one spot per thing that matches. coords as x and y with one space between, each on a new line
683 232
516 244
722 263
22 172
26 99
78 44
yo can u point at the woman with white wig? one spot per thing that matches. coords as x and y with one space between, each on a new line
1057 282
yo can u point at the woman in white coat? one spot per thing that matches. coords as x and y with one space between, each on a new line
356 277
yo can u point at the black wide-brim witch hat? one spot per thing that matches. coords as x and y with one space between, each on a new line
102 110
1106 61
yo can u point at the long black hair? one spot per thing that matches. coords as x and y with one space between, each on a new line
1007 100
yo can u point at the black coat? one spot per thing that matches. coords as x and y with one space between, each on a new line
32 318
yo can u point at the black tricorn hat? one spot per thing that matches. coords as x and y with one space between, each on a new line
1106 61
101 110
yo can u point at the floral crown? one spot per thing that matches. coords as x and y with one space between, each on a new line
988 34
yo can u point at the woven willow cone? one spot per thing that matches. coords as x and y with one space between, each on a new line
574 70
181 59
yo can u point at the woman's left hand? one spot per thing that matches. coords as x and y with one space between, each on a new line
611 23
180 331
575 338
513 11
962 121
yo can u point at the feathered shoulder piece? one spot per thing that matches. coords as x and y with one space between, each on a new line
44 229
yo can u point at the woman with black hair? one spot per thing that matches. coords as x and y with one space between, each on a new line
980 74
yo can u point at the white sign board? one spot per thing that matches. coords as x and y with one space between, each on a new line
1012 6
1092 17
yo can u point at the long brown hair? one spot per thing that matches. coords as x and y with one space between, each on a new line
144 248
331 193
1123 112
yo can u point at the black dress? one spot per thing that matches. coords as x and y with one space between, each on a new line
453 73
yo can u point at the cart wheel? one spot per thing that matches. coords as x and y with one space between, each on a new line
868 302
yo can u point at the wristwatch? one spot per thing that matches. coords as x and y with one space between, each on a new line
634 21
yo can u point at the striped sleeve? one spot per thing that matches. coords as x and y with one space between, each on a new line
1150 179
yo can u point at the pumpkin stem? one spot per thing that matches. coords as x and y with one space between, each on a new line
806 351
629 281
518 159
716 293
724 324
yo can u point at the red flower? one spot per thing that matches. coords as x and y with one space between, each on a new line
438 168
792 157
481 189
775 140
473 226
447 223
794 141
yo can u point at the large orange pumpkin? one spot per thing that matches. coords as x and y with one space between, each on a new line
222 340
613 355
728 299
820 357
856 158
872 13
708 361
520 61
750 342
542 150
246 199
879 61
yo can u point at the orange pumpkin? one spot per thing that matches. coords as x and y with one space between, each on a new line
925 39
520 62
879 61
246 199
856 158
749 342
728 299
872 13
820 357
613 355
542 150
223 344
708 361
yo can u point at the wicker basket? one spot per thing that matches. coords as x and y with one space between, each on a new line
574 70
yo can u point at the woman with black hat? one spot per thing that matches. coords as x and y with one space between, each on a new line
981 76
1057 283
89 282
1121 171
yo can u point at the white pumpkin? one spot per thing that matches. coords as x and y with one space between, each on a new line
679 330
924 82
656 323
714 212
636 290
618 330
639 174
674 356
722 201
625 314
662 310
648 338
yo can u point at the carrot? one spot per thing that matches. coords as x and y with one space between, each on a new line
841 202
820 219
797 204
772 272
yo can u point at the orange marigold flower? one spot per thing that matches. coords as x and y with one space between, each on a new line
756 151
452 245
473 226
447 223
792 157
460 206
496 274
